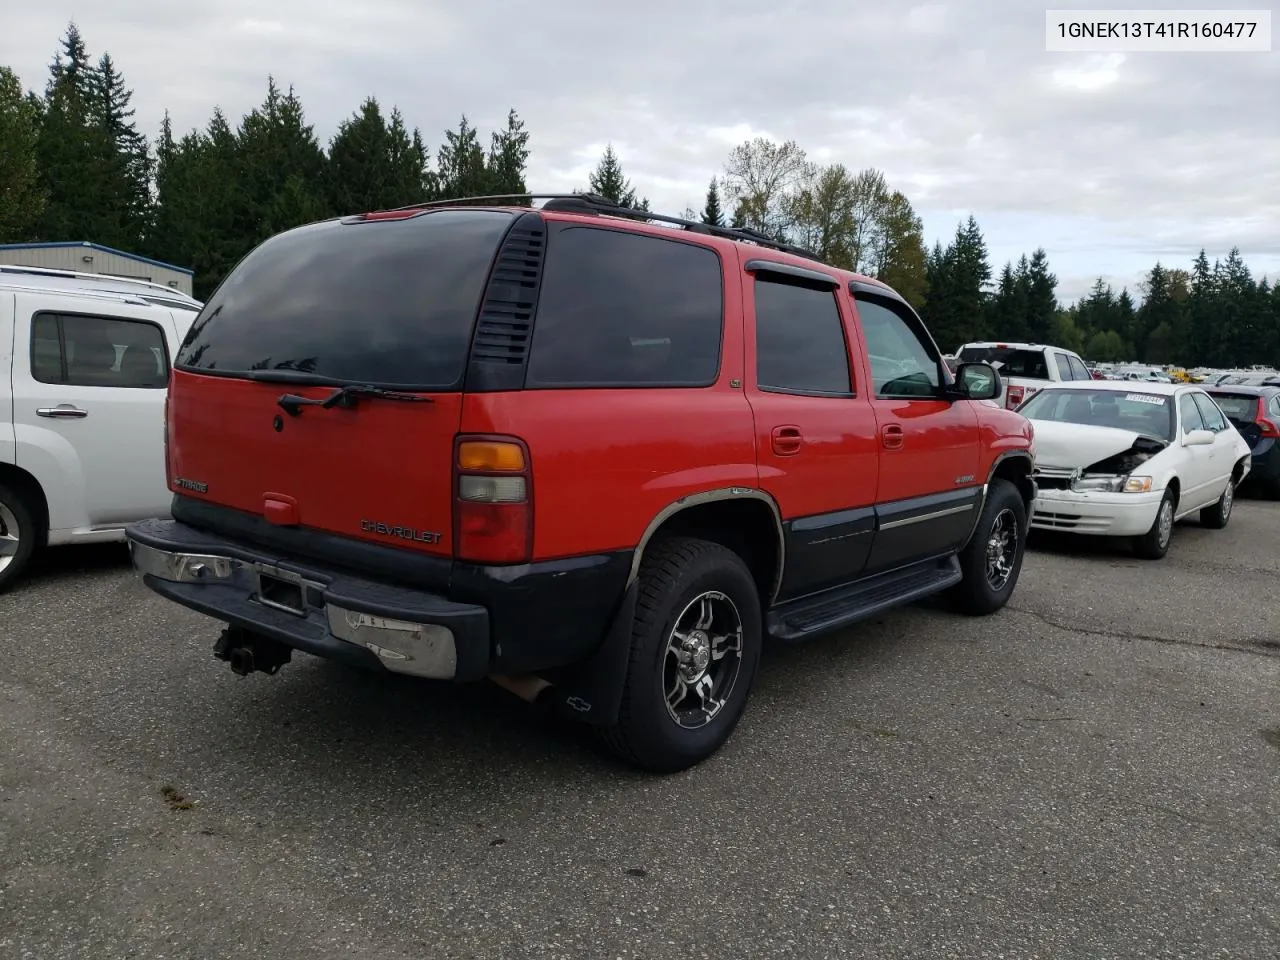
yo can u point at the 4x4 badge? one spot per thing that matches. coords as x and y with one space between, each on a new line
967 478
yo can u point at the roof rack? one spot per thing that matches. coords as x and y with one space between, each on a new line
593 203
97 277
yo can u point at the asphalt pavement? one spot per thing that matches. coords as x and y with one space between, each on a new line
1094 772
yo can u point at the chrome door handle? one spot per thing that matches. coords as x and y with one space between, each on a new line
63 411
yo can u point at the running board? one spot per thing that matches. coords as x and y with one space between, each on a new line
835 608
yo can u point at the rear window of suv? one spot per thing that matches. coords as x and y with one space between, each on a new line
390 303
1025 364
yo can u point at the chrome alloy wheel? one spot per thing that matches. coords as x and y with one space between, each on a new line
1002 549
8 537
1228 497
702 659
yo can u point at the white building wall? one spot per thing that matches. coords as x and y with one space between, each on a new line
99 261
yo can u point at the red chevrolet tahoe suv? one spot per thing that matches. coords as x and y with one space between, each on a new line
595 454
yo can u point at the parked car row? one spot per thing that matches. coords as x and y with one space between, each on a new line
594 454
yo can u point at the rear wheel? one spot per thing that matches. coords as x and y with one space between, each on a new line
18 531
695 648
992 560
1219 515
1154 544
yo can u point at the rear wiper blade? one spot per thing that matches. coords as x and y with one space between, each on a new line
345 396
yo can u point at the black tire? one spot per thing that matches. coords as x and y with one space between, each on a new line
1219 515
1154 544
675 574
979 594
16 519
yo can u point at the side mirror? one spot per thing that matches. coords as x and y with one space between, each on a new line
977 381
1198 438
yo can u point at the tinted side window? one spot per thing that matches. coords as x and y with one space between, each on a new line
800 344
98 352
1064 368
1078 370
901 364
623 309
1191 418
1213 418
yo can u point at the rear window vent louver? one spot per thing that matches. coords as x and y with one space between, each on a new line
506 316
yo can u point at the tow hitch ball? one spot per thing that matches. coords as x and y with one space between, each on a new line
247 652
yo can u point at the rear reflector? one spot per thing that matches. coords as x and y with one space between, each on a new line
493 512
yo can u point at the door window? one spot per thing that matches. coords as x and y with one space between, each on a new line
1191 417
902 365
1213 418
1064 368
1078 370
89 351
800 344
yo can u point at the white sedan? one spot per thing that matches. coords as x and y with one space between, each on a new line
1128 459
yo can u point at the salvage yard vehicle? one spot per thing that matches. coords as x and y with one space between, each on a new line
1126 459
595 454
1255 412
1026 367
85 363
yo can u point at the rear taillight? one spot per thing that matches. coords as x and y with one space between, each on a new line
1013 396
493 507
1268 427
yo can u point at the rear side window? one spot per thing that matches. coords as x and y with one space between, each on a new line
390 303
800 345
89 351
1024 364
621 309
1213 418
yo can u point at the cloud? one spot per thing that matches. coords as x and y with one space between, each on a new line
1108 161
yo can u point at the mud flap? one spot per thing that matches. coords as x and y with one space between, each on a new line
594 693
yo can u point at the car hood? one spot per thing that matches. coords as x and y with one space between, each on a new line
1080 445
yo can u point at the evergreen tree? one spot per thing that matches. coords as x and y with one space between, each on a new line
69 150
124 201
1042 297
281 168
608 181
460 164
375 164
712 214
508 157
21 196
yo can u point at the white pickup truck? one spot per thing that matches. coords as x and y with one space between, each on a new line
1025 368
84 371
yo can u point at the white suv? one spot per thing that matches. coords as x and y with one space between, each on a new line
84 373
1025 368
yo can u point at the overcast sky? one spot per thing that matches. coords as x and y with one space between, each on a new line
1108 161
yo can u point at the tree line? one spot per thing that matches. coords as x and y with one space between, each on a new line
74 166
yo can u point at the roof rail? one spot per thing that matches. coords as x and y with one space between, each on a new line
593 203
115 296
78 275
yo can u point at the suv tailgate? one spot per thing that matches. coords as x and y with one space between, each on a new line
383 303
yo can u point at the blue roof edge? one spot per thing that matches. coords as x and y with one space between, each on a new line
97 246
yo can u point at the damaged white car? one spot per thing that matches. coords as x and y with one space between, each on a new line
1121 459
